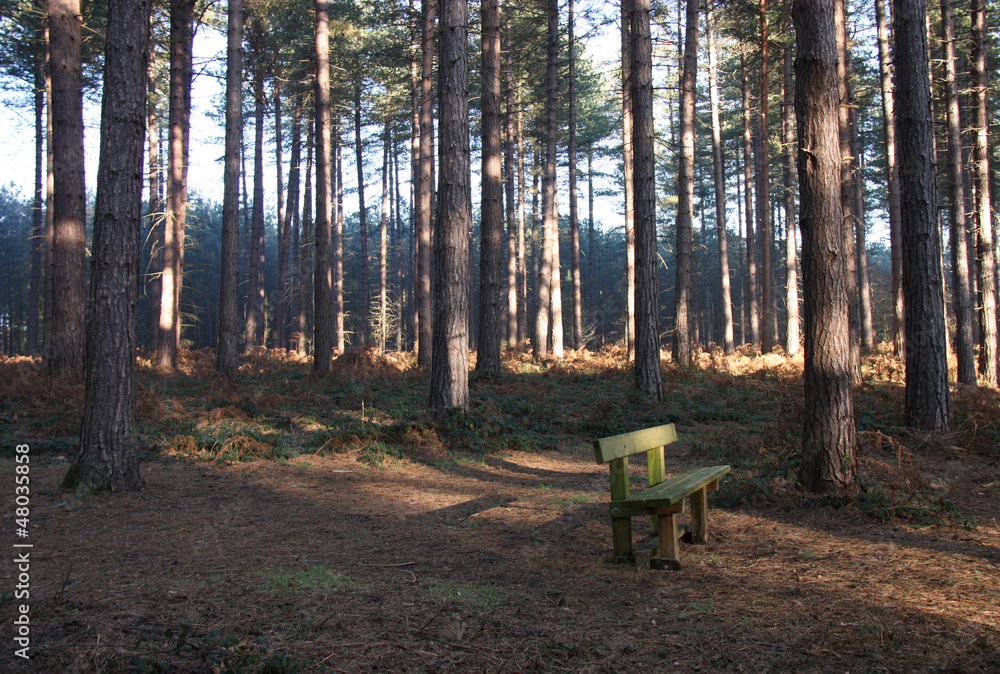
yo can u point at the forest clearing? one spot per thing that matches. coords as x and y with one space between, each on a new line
328 524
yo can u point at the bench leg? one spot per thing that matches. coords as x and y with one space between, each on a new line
669 549
621 536
699 516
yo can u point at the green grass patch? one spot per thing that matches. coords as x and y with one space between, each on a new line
317 578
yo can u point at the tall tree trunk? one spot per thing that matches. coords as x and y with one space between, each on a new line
322 279
647 335
69 240
38 204
306 246
338 244
685 193
292 220
892 178
719 174
281 295
791 268
988 353
490 320
828 435
522 281
743 262
574 223
764 224
255 261
847 191
551 211
425 189
362 217
752 290
48 299
629 186
383 257
229 283
181 45
927 398
511 222
156 220
591 245
450 353
961 291
108 458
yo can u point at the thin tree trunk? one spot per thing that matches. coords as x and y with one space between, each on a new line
425 189
892 178
718 170
511 223
69 241
322 279
338 245
751 252
591 249
764 224
847 191
450 354
37 213
156 220
490 320
628 187
383 257
522 282
551 206
792 337
927 398
828 435
281 295
181 45
306 246
988 352
574 223
108 458
683 319
648 377
229 283
961 291
292 218
255 260
363 220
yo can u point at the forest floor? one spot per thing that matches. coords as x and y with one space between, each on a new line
308 524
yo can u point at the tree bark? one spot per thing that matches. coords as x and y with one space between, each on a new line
253 336
383 257
961 290
764 224
628 190
792 336
338 245
892 178
363 219
685 194
927 404
847 192
425 189
574 222
450 353
281 296
108 457
988 350
490 296
551 210
648 377
227 363
37 212
322 279
306 246
719 173
753 293
522 281
511 207
181 45
829 436
156 219
69 240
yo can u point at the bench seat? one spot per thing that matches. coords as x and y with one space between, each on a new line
669 492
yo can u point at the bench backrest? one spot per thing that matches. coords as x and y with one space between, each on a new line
615 450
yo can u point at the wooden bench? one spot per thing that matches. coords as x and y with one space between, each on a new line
663 500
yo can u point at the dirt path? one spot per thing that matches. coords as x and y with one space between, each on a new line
493 565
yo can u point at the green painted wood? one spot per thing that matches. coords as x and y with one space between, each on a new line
619 479
657 473
627 444
699 516
667 493
621 536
